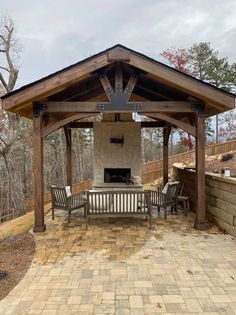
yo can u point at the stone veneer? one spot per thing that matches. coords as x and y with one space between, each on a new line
110 155
220 196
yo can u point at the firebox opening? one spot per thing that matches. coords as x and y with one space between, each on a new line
117 175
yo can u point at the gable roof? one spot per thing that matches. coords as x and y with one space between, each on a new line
214 97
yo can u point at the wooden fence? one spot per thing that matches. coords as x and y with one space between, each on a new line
150 172
79 187
153 170
8 215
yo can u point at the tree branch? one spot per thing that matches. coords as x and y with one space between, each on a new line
4 83
3 38
3 68
3 141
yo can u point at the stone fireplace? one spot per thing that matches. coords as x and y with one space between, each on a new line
117 152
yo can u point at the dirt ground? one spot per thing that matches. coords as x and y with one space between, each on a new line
16 254
216 165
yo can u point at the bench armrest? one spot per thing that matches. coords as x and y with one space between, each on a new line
157 198
75 200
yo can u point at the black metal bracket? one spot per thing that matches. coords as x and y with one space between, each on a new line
200 109
38 108
118 106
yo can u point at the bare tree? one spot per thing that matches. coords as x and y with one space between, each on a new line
9 50
9 123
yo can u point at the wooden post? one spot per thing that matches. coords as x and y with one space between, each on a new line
68 156
200 219
166 134
39 225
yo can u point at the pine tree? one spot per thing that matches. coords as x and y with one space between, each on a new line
204 63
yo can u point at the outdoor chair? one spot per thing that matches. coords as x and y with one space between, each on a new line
167 197
184 200
63 199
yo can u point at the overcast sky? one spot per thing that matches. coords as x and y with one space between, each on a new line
57 33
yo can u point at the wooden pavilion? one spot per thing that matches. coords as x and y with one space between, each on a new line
118 80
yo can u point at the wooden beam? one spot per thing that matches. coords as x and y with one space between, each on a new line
118 54
144 106
152 124
61 123
166 134
177 123
200 219
130 86
144 124
118 77
81 124
54 116
107 87
67 131
39 225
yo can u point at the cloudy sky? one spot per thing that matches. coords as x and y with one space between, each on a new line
57 33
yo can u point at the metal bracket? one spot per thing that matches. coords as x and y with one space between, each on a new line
38 108
109 92
200 110
121 106
127 90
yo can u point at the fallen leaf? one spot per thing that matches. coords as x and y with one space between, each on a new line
189 272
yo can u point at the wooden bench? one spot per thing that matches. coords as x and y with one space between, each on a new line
117 204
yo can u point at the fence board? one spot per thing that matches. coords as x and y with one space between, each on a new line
153 170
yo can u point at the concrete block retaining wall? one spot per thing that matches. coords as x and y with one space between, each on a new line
220 197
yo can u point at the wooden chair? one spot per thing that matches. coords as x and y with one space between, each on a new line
184 200
167 197
62 200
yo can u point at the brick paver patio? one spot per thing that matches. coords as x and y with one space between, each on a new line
123 267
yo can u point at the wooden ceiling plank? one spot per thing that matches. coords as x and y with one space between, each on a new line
155 93
80 89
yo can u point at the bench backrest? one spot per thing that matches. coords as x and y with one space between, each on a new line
117 202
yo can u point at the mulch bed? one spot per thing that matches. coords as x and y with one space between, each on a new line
16 254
